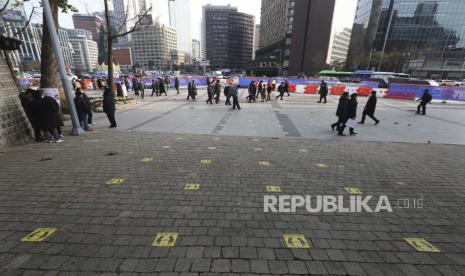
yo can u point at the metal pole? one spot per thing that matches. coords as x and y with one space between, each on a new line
77 130
386 36
369 59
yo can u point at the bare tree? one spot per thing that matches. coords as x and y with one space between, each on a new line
118 32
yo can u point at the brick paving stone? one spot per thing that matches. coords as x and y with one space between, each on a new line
278 267
201 265
297 267
259 266
128 265
238 265
221 265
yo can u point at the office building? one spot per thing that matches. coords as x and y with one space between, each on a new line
338 47
152 46
196 53
85 54
132 9
294 37
423 38
227 37
256 40
92 23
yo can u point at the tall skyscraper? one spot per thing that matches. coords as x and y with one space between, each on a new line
196 49
92 23
180 18
294 36
85 50
227 36
256 40
424 38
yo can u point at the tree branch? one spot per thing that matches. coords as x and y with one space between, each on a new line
4 7
136 25
26 24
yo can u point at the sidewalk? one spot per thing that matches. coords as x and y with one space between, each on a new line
109 208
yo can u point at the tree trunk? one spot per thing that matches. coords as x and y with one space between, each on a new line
48 65
110 46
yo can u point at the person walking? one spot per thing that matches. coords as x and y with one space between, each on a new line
191 90
269 89
286 87
142 89
323 91
109 106
135 86
162 87
82 109
341 113
424 100
176 84
47 109
352 112
210 93
252 91
167 84
369 109
259 89
281 91
235 96
126 82
119 90
90 115
154 87
125 92
217 90
227 93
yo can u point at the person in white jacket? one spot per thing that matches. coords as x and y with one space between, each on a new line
125 92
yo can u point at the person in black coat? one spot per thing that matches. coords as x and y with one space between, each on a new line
82 109
281 90
369 109
286 87
176 84
323 91
154 87
341 113
352 111
217 91
47 109
191 90
162 87
252 91
29 103
109 106
210 93
424 100
141 87
228 94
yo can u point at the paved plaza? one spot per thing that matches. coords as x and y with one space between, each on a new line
178 189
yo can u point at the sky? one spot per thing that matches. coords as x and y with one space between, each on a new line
343 14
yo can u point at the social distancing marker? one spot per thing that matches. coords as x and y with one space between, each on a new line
212 148
257 149
303 150
192 186
39 235
321 165
165 239
263 163
421 245
273 189
296 241
115 181
166 147
353 191
147 159
205 162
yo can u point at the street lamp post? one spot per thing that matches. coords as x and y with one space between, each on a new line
77 130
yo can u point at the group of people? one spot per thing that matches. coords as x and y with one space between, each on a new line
264 90
347 112
230 91
84 107
44 115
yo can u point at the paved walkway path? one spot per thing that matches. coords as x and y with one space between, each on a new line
296 116
105 211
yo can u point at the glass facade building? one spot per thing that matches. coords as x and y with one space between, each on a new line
425 38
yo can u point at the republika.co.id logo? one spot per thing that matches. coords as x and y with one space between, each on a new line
330 204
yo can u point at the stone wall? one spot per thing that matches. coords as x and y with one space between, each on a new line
14 125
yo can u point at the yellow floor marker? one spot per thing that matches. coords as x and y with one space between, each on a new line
147 159
303 150
39 235
212 148
273 189
192 186
295 241
263 163
205 162
421 245
321 165
353 191
166 147
115 181
164 239
257 149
